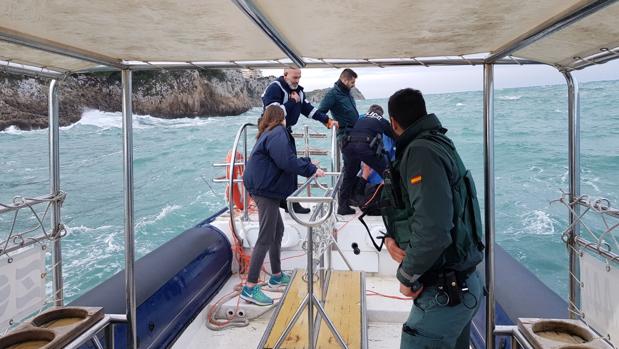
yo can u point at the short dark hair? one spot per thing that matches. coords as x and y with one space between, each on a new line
406 106
375 108
348 74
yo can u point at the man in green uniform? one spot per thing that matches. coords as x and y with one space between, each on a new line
432 217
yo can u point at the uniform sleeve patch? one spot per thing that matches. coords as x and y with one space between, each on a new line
415 179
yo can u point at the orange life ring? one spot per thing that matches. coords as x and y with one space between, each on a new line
237 173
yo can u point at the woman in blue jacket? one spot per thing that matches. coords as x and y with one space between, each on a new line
270 176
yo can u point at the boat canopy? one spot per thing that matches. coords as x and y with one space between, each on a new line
61 36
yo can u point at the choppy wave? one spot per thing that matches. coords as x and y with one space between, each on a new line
531 155
155 218
538 222
509 98
81 229
107 120
14 130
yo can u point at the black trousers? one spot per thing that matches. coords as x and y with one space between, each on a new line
353 154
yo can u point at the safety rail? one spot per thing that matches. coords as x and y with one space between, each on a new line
605 244
593 238
322 219
28 224
518 340
17 240
231 181
107 323
235 162
329 198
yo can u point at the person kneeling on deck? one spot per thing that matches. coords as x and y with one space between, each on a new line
363 143
434 228
270 176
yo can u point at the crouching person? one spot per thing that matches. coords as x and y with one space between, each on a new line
270 176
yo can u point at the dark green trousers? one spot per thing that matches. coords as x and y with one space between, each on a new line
432 325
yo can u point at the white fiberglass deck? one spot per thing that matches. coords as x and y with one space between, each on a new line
385 315
385 318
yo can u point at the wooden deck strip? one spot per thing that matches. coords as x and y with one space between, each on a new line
298 336
343 306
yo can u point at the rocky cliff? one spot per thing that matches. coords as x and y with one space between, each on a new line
165 94
317 95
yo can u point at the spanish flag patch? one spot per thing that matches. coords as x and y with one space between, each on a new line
415 180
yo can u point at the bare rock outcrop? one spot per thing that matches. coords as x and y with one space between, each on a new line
164 94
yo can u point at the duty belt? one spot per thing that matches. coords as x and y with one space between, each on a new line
358 139
432 278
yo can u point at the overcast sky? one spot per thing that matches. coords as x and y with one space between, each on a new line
382 82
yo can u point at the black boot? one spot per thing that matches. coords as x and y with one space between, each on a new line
345 210
295 206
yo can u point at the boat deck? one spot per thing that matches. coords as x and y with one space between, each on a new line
343 304
384 319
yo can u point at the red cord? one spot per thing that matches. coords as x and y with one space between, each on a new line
374 293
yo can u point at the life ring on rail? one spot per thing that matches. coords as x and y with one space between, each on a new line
237 173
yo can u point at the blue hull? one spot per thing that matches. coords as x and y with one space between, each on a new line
173 284
518 294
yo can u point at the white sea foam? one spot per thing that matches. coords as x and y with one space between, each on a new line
155 218
509 98
538 222
459 104
106 120
592 182
82 229
12 130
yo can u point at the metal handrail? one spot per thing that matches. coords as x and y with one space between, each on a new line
231 165
90 333
518 339
328 199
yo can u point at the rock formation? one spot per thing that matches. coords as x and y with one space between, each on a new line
165 94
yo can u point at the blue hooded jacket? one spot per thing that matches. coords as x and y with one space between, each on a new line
273 165
279 91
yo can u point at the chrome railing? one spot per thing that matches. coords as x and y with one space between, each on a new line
231 181
232 164
322 221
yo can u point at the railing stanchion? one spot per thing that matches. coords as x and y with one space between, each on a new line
574 190
54 178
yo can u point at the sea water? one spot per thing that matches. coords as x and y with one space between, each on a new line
173 174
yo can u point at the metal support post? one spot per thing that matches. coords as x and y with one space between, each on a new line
574 188
306 152
245 194
109 336
54 179
489 199
310 287
128 200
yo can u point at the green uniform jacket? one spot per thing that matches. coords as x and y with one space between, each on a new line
342 105
426 172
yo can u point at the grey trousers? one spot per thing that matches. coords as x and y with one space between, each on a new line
270 236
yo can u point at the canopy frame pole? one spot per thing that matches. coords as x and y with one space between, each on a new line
9 68
489 200
574 189
128 207
54 183
548 28
257 17
36 43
